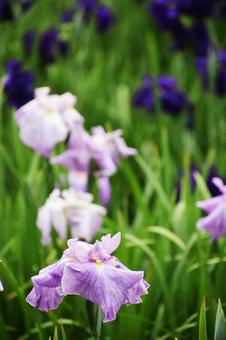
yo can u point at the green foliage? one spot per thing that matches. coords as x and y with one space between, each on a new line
158 235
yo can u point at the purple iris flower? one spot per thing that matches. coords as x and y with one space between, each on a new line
18 84
28 42
166 14
26 5
144 97
105 18
197 8
6 12
172 100
91 272
68 16
215 221
212 173
87 7
51 46
221 73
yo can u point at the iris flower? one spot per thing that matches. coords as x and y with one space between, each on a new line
91 272
215 221
70 208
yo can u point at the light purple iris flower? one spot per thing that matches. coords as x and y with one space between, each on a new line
70 208
46 120
103 149
91 272
215 222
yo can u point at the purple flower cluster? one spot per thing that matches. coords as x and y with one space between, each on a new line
215 221
92 9
50 46
18 84
48 120
171 99
91 272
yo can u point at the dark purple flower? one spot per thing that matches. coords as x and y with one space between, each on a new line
199 39
68 16
6 12
26 5
105 18
214 190
197 8
144 97
87 7
203 70
173 101
89 270
18 84
28 42
221 73
166 14
52 46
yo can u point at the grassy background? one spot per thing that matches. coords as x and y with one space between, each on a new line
158 236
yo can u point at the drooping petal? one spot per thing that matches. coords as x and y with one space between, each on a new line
47 293
104 187
210 204
102 284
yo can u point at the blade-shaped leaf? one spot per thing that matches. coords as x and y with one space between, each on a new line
219 331
202 321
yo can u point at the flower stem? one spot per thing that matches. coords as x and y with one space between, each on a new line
95 319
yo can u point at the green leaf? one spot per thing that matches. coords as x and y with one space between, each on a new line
169 235
219 331
202 321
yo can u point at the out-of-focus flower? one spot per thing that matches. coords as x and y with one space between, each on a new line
52 46
26 5
107 148
70 208
144 96
215 221
68 16
28 42
197 8
104 149
172 100
6 12
91 272
87 7
221 73
44 121
166 14
212 173
105 18
18 84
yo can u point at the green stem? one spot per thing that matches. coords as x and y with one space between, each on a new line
95 319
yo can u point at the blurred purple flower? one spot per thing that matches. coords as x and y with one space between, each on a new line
28 42
172 100
103 149
105 18
6 12
144 97
18 84
68 16
46 120
215 221
197 8
87 7
70 208
221 73
51 46
212 173
26 5
166 14
192 182
104 187
91 272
